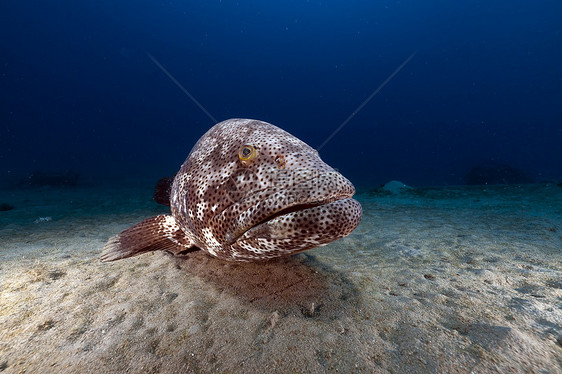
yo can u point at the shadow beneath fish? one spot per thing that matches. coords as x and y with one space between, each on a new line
296 284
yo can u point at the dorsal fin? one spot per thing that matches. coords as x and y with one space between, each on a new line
162 191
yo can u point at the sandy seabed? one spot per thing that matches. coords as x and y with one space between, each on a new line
445 280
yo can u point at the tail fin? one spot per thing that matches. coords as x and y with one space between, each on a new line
153 234
162 191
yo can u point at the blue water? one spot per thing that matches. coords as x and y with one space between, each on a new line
79 92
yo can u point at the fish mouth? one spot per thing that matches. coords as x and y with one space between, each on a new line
298 208
307 198
299 228
303 210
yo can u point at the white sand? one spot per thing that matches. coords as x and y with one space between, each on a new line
450 280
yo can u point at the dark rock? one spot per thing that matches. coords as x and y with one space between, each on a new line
5 206
392 188
496 173
54 179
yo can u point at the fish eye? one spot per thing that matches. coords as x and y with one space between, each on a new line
247 154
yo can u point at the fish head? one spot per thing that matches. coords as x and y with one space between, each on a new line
251 191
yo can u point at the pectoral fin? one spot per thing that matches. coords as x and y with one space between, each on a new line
160 233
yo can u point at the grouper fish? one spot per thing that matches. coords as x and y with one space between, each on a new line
248 191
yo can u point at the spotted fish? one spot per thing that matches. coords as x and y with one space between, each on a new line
248 191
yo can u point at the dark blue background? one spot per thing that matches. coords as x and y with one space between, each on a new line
78 91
